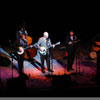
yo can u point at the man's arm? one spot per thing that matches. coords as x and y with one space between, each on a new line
17 35
67 42
50 44
26 32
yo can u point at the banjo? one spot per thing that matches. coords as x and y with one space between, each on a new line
44 49
93 54
23 49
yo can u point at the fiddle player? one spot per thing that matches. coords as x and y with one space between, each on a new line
70 47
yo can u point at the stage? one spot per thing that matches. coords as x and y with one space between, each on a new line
82 81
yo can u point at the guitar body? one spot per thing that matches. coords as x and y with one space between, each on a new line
96 48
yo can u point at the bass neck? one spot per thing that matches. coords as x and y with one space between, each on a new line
28 47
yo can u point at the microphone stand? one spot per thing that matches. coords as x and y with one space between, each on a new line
79 63
51 67
52 59
50 75
0 74
76 61
12 63
78 58
12 67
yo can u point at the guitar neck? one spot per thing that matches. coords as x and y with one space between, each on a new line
57 43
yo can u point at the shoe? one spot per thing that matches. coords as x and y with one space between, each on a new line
68 70
23 76
71 69
43 71
50 70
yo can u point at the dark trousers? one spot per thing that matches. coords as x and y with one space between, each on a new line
98 62
20 59
71 57
43 58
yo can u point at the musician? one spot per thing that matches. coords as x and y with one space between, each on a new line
21 32
45 42
20 58
97 39
70 47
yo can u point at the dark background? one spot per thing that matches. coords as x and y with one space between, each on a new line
58 18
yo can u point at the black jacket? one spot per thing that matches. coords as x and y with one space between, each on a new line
71 46
18 43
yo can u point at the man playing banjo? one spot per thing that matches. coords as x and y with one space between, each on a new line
44 43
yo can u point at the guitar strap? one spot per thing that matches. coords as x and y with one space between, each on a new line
47 43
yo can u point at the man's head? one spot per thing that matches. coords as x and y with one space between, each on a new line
22 28
71 33
46 34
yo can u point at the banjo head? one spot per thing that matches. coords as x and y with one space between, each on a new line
93 55
22 51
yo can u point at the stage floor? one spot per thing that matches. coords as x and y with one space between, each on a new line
58 83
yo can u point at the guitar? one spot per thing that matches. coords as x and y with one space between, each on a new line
74 42
97 47
23 49
44 49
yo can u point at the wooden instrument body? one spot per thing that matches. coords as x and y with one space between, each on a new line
93 54
32 51
29 40
96 48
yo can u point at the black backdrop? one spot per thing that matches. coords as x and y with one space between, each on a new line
56 18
